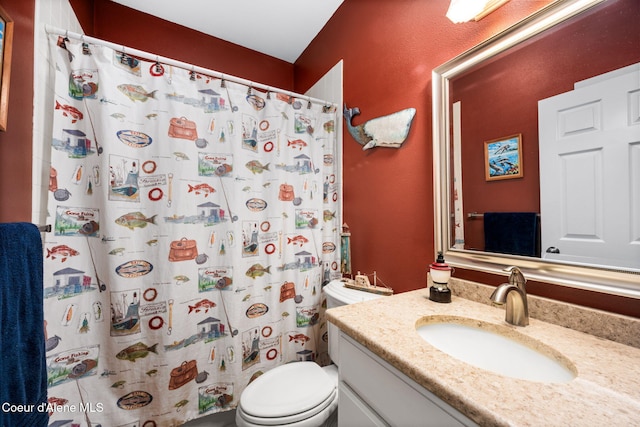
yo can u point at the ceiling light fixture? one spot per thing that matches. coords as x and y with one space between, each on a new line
466 10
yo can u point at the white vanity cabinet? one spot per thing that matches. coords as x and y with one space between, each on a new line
372 392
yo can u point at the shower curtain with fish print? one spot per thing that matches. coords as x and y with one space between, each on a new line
194 225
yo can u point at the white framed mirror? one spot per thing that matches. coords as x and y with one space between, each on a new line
610 278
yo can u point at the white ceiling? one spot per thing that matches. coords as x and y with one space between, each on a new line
279 28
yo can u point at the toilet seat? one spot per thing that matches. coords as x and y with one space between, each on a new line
314 416
291 393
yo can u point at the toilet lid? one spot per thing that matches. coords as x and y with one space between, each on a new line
289 389
339 292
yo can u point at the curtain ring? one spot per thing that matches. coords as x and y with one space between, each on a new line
309 104
249 90
85 46
156 70
123 59
63 43
193 75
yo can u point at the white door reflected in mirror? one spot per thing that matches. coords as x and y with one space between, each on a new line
590 171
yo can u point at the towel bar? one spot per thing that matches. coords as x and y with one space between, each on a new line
473 215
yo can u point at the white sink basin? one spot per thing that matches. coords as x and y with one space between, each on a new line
496 348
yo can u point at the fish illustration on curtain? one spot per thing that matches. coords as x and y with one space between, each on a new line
194 225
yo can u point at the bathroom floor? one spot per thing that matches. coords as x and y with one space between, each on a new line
228 419
222 419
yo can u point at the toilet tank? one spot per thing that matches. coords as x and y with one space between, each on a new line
337 295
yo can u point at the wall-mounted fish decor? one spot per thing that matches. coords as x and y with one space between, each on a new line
385 131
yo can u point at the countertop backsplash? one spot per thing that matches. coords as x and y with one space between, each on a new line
602 324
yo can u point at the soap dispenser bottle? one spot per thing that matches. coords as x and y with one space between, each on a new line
440 274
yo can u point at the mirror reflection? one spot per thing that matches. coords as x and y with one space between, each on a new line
546 144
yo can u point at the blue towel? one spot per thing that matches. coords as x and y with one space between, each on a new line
23 372
512 233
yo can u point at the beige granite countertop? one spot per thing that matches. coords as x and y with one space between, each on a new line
606 391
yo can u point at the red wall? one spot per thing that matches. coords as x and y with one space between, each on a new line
519 80
389 50
15 143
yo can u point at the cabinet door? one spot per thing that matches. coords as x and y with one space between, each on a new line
392 395
354 412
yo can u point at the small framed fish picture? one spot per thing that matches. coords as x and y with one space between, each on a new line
503 158
6 42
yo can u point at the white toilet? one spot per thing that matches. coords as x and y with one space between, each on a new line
277 397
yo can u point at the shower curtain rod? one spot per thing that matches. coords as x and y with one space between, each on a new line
146 55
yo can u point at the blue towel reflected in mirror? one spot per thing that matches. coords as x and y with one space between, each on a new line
512 233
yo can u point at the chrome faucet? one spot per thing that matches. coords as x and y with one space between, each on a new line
514 294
